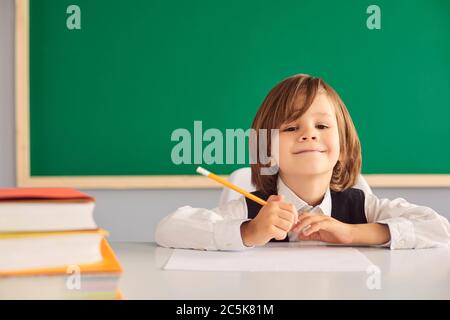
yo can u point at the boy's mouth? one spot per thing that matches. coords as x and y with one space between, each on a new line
309 151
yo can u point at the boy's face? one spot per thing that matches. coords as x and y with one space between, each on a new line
310 144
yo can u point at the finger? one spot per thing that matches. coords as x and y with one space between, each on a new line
312 237
287 206
288 215
308 221
306 215
282 224
276 198
273 198
302 237
315 237
281 236
278 233
315 227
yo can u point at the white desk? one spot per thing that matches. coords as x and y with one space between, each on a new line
405 274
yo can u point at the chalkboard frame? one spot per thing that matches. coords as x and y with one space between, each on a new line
23 173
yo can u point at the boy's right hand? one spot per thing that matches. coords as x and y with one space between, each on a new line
274 220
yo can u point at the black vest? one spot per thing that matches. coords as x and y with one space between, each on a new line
346 206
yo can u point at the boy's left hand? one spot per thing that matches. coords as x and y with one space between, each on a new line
323 228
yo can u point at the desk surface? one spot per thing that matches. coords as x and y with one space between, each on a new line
404 274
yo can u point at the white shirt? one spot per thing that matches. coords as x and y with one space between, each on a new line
410 225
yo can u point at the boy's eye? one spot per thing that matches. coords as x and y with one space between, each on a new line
290 129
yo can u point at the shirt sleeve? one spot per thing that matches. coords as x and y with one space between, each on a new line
410 226
204 229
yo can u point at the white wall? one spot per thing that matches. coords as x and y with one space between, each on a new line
131 215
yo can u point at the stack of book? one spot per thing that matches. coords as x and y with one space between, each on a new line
51 247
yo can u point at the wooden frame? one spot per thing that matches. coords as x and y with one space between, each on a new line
24 179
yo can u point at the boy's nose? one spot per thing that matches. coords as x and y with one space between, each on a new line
304 137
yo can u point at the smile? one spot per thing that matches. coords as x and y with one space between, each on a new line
309 151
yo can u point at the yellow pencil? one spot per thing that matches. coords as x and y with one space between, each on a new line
228 184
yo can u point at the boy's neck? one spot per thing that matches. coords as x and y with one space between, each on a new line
310 188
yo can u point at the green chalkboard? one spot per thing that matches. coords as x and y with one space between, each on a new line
106 98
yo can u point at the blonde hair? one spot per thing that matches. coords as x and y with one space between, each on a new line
280 106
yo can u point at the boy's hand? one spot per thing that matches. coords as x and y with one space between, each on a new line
274 220
323 228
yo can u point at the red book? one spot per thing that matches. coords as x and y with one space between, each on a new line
43 194
45 209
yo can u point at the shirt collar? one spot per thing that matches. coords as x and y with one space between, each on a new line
299 204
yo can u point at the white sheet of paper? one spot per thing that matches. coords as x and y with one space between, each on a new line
288 257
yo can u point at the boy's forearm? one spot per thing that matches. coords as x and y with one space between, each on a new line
370 233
